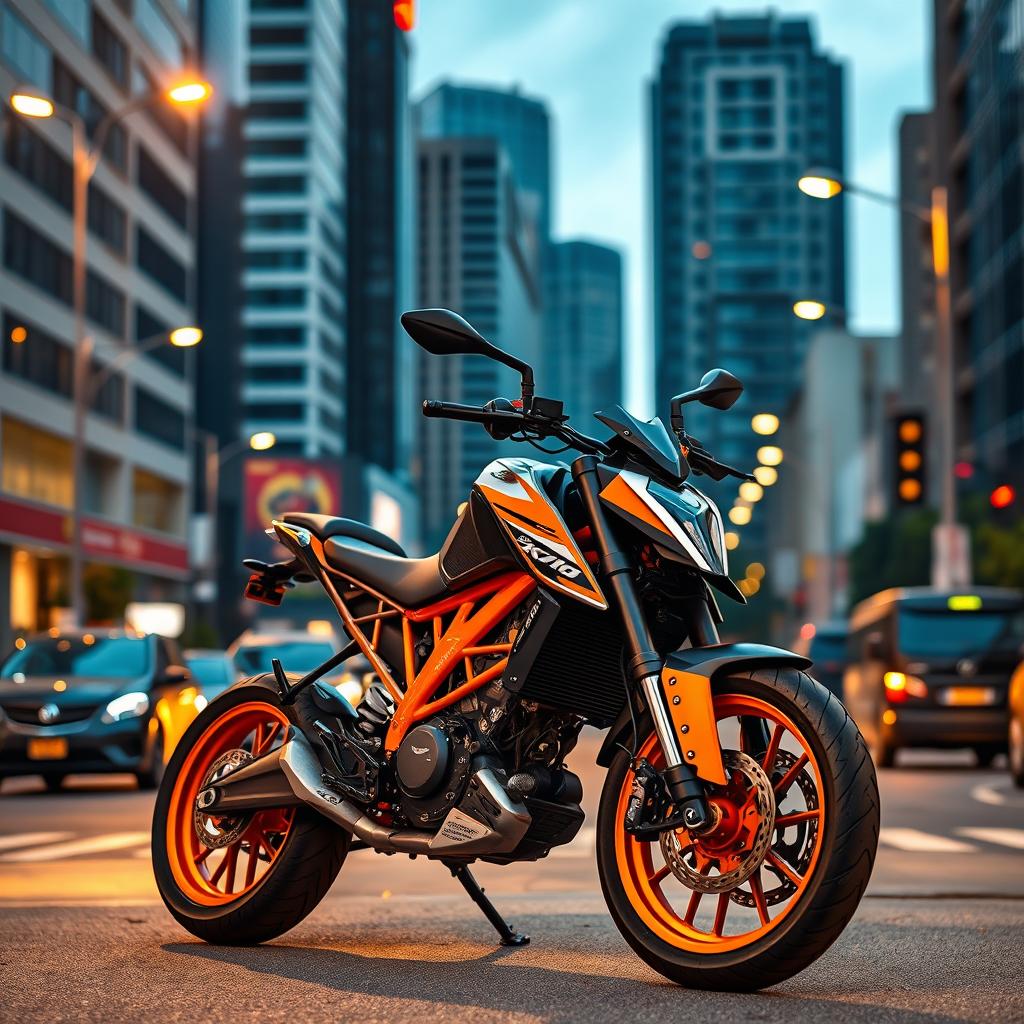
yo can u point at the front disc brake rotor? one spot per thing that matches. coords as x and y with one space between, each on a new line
216 830
689 858
797 854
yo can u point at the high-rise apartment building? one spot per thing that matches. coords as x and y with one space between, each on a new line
95 57
279 70
583 315
741 106
477 255
979 124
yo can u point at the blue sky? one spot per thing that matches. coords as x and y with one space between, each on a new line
591 60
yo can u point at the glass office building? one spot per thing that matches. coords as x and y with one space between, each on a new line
740 107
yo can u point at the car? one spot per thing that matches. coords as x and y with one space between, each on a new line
1015 731
932 668
827 648
300 652
212 670
84 701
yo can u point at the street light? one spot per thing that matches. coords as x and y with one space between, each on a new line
215 457
749 491
180 337
84 161
764 423
766 475
769 455
947 570
809 309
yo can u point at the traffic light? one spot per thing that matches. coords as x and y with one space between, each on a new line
1003 496
910 459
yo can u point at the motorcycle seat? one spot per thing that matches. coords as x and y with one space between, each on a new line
407 581
324 527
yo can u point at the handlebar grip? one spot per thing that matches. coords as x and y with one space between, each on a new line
454 411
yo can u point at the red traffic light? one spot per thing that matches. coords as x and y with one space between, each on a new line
405 14
963 470
1003 496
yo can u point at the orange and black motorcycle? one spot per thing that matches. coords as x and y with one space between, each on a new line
739 817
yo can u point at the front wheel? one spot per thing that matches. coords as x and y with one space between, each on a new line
238 880
771 887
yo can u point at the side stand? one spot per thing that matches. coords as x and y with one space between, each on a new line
509 937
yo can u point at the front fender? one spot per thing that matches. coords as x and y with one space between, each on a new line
694 669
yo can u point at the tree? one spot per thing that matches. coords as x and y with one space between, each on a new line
893 552
108 589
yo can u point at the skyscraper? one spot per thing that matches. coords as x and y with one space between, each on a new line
93 59
520 122
740 108
979 124
477 255
379 168
279 67
583 327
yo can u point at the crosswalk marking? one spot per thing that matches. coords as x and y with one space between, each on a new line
910 840
1013 837
31 839
77 847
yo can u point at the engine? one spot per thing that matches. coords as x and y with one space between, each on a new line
432 769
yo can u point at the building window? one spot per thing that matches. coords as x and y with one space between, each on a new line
278 73
275 336
292 184
159 32
69 91
282 411
278 5
110 49
276 259
278 35
148 326
275 147
158 420
276 110
75 16
25 51
275 222
291 373
159 264
167 118
36 258
35 464
104 304
156 502
279 297
42 359
161 188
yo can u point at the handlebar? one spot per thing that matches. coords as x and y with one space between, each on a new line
471 413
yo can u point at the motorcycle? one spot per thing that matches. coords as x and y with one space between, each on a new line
739 816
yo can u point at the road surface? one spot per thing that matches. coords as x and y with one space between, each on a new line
83 935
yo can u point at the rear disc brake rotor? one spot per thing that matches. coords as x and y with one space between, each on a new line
216 830
737 862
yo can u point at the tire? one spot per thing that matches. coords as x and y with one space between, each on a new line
830 889
1016 750
302 865
986 753
150 778
882 753
54 781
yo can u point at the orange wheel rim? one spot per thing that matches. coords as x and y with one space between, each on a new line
215 876
709 922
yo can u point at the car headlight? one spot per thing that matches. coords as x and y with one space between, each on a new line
128 705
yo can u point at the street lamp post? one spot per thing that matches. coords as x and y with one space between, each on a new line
949 551
213 462
84 161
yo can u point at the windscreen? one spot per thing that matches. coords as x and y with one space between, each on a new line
948 634
97 657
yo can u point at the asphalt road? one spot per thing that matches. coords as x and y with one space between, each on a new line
84 937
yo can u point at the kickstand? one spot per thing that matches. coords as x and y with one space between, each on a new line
509 937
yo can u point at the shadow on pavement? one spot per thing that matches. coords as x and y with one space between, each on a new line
556 984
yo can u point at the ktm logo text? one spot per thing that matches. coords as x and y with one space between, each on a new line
548 558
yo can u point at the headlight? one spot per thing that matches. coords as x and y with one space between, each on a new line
128 705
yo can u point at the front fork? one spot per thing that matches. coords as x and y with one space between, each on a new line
645 663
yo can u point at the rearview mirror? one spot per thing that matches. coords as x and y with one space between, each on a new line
444 333
718 389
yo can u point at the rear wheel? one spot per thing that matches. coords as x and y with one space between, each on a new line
883 753
238 881
770 888
986 753
150 778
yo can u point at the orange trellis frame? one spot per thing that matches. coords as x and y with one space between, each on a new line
472 614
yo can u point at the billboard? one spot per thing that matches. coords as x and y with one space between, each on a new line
271 487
